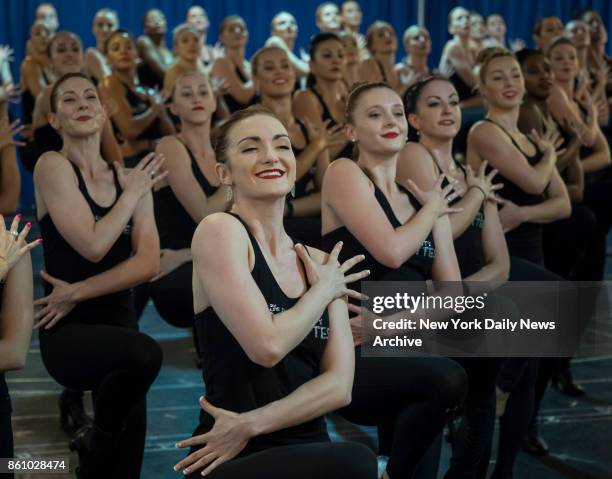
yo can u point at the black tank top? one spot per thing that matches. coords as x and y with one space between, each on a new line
417 267
28 101
47 139
464 91
174 224
526 240
347 151
301 185
468 246
235 383
138 106
234 105
64 262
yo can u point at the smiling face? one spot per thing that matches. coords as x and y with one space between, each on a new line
285 26
378 122
328 18
78 111
351 14
187 45
578 32
121 52
564 62
538 76
197 17
260 162
105 22
329 61
417 41
66 53
192 100
503 85
437 114
273 74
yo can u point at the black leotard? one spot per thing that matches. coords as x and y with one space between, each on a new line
525 241
28 101
417 267
468 246
301 185
250 386
464 91
234 105
64 262
347 151
174 224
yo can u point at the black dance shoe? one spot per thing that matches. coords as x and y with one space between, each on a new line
534 444
564 382
72 412
80 443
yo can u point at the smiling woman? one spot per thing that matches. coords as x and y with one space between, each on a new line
285 336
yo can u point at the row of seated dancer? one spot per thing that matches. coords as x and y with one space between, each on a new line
394 193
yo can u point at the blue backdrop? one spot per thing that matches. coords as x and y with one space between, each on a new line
77 15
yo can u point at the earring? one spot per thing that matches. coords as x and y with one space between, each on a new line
230 194
353 140
293 191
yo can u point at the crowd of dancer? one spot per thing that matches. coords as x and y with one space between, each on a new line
247 199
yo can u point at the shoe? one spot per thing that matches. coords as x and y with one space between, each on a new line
97 452
72 412
382 465
564 382
501 399
534 444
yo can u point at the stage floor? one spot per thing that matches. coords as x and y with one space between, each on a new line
579 432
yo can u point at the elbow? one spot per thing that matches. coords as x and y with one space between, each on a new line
342 392
537 187
14 360
389 258
265 356
566 209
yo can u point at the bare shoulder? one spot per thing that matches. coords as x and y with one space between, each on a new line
218 232
51 166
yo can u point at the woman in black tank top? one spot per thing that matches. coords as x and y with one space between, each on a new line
324 97
274 79
100 241
16 315
190 193
434 116
139 117
364 207
272 313
233 67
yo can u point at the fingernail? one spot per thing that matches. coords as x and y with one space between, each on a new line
28 224
18 216
39 240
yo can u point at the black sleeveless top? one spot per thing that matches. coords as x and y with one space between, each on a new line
149 77
47 139
417 268
525 241
464 91
138 106
235 383
174 224
347 151
301 185
64 262
468 246
234 105
28 101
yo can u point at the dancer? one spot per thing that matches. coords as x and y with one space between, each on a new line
417 44
155 56
197 17
108 243
284 336
105 22
327 18
283 33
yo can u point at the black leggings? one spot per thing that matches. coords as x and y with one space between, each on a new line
172 296
409 399
118 364
321 460
598 198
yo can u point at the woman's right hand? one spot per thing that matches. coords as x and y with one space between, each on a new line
140 179
437 196
13 244
482 181
326 136
331 276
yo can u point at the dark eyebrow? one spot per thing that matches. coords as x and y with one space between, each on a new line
258 139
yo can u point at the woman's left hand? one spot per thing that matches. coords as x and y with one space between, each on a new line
223 442
57 305
510 215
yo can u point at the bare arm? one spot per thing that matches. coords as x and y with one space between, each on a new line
462 65
184 185
224 68
31 77
10 180
556 206
300 66
600 157
16 315
147 53
574 181
445 266
95 65
110 149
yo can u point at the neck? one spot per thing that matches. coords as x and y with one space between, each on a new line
99 44
84 152
386 58
157 39
290 42
567 86
442 149
197 138
235 54
582 57
540 103
418 63
381 169
126 76
500 39
463 40
508 118
281 107
329 88
189 64
264 218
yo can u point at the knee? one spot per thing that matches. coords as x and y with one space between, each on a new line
586 221
451 385
356 461
147 357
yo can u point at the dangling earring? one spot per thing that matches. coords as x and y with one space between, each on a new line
230 194
293 191
353 140
418 132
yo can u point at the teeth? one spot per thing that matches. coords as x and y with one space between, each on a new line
270 174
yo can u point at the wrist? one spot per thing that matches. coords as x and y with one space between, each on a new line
524 214
252 422
79 292
481 190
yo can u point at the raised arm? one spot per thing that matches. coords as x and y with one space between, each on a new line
147 53
95 65
57 193
300 66
224 68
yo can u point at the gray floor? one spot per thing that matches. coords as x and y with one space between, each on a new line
579 432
